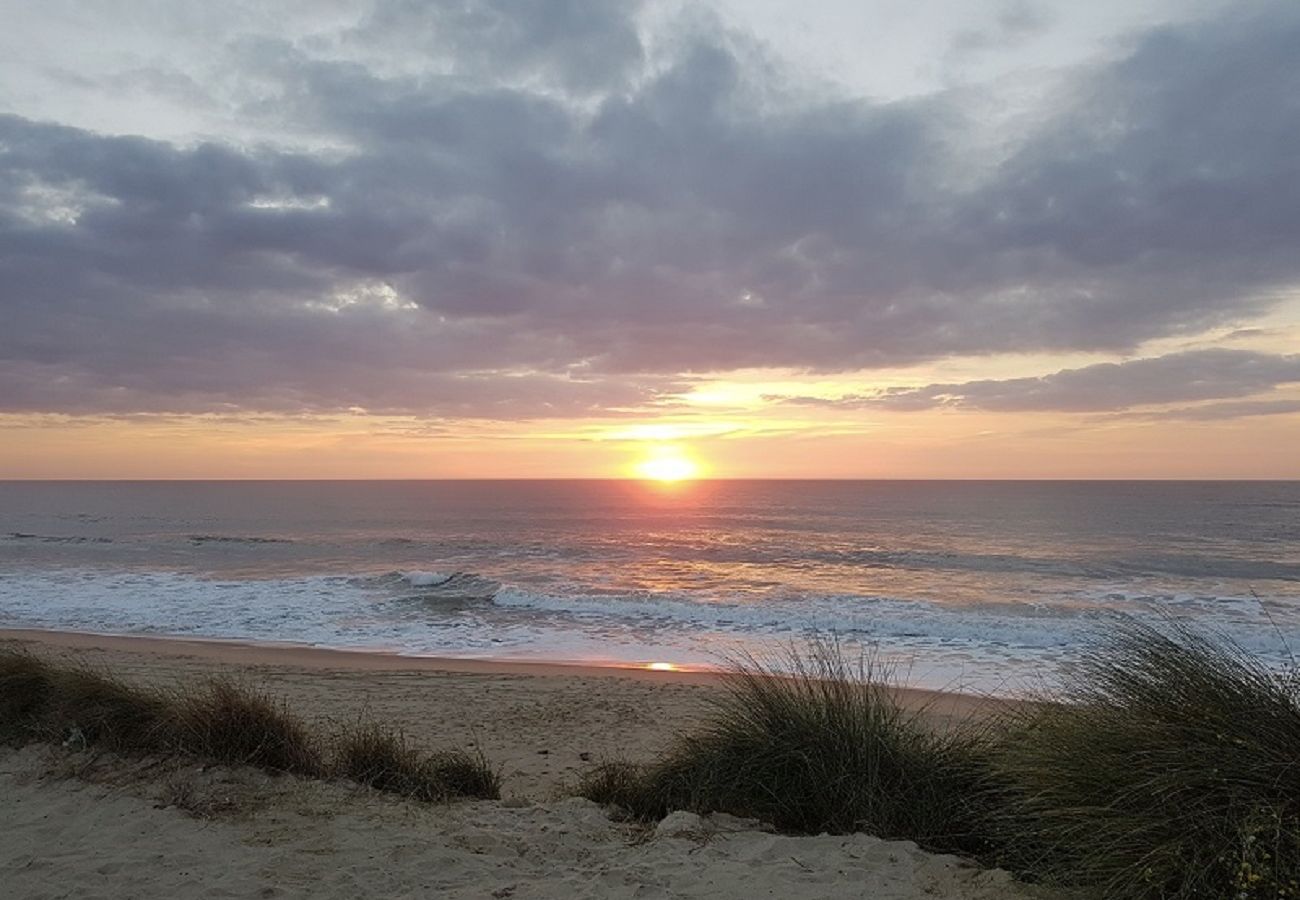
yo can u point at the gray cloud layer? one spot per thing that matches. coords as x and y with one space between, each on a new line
588 220
1194 375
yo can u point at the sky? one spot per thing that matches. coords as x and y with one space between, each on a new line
580 238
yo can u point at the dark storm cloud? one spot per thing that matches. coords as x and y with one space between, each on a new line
589 218
1195 375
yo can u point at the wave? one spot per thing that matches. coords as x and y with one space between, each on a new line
1189 566
1047 621
1212 567
459 613
234 539
1087 566
56 538
443 587
1023 624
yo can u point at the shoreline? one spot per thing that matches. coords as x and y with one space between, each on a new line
943 706
238 650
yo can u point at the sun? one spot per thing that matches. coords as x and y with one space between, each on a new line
667 469
667 464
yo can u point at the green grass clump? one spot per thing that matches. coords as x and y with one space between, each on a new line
816 745
1171 770
383 759
239 725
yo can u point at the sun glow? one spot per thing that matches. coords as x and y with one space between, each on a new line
667 464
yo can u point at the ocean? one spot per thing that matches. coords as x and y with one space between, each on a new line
987 586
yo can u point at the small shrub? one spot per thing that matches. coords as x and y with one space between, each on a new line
1171 770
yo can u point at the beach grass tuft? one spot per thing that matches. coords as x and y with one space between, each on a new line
222 721
1168 768
625 785
383 759
25 687
237 724
76 705
87 707
815 743
465 774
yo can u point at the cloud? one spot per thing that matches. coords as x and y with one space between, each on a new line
1212 412
357 388
1016 21
553 200
1194 375
583 45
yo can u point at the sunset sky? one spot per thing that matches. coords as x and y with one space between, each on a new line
561 238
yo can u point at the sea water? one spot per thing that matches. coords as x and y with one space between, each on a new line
991 586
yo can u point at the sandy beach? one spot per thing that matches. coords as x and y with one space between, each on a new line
117 831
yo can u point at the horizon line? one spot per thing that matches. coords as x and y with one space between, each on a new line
636 480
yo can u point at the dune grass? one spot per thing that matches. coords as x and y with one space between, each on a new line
222 721
77 706
237 724
370 754
1171 769
1168 768
25 686
815 743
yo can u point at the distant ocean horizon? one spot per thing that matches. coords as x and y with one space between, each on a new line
988 585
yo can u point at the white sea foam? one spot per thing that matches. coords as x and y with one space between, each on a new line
1028 627
991 647
425 579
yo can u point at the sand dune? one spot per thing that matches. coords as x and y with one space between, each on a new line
142 830
70 838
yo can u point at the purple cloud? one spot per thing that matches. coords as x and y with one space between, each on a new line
563 207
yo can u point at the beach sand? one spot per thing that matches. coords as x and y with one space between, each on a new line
117 829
